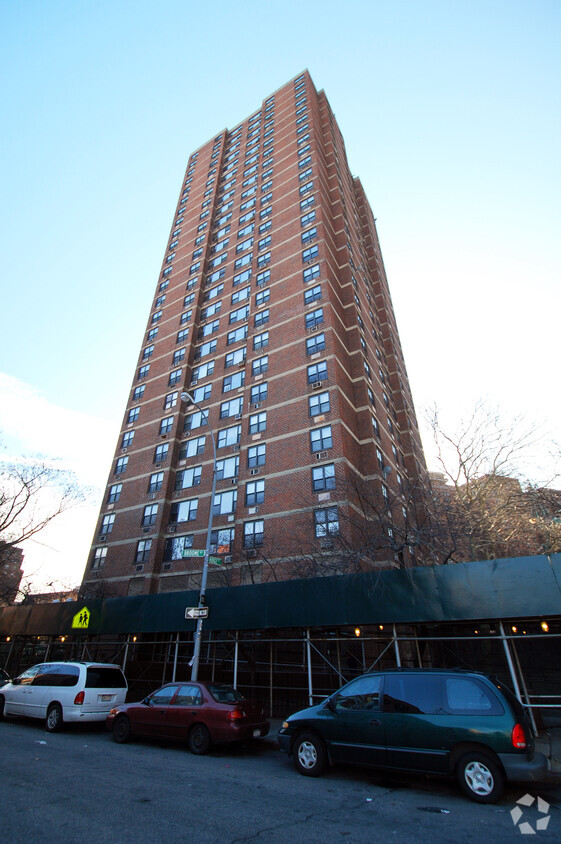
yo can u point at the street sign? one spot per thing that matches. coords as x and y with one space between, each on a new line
196 612
216 560
192 552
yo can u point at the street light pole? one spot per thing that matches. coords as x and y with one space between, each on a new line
187 397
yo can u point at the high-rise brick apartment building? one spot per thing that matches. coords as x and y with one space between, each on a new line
273 310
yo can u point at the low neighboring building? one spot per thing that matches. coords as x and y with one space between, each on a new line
11 573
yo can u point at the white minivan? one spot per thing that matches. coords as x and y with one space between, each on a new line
63 692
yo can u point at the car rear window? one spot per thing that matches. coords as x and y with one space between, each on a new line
225 694
105 678
466 696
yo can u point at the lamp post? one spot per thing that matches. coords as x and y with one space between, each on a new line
188 398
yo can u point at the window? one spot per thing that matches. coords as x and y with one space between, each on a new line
307 219
267 198
313 294
107 524
143 551
245 244
239 314
216 276
138 392
306 203
184 511
263 296
178 356
258 393
227 468
265 242
260 365
99 558
211 310
264 227
380 459
243 261
114 493
229 436
209 328
240 295
310 254
242 277
311 272
326 522
149 515
202 393
206 349
256 456
148 352
264 259
182 335
194 420
237 335
166 425
323 477
121 465
170 400
254 493
257 422
376 427
246 205
161 453
262 278
152 334
315 344
261 318
188 477
321 438
317 372
173 549
225 502
128 437
306 188
253 534
221 540
231 408
174 377
309 235
156 481
143 371
314 318
202 371
245 218
237 357
319 404
232 382
260 341
192 448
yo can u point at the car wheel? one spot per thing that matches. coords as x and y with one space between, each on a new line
53 721
121 729
198 740
1 707
309 755
480 777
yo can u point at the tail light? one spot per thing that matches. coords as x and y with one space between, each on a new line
235 715
518 737
79 699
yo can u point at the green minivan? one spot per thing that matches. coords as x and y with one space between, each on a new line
450 722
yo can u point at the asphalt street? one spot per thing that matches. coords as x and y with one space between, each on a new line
78 786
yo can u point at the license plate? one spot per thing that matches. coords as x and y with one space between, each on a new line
256 733
106 697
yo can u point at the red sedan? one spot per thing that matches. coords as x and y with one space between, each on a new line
202 714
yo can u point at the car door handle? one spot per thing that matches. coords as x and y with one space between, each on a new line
375 721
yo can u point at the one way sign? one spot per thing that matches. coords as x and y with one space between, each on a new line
196 612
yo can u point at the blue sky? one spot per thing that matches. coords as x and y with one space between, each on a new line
451 118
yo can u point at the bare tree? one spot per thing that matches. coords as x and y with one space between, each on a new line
32 494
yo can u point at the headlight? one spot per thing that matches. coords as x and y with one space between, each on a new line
285 725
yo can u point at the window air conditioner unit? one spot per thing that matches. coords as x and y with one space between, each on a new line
235 448
251 553
257 404
159 463
172 528
317 385
321 455
235 480
103 537
152 495
238 416
194 381
139 568
313 328
124 451
254 472
228 558
145 530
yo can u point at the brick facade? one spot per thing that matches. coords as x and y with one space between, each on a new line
273 309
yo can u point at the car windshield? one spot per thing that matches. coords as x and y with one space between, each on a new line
225 694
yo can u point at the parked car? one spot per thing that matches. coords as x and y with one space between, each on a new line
202 714
433 721
4 677
63 692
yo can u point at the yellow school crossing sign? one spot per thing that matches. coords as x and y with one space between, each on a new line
81 619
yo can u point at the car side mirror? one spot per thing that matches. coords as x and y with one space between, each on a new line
16 682
331 704
146 701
